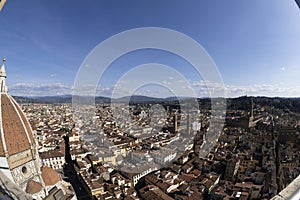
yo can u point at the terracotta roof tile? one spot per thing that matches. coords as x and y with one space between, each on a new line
49 176
12 122
2 154
33 187
24 119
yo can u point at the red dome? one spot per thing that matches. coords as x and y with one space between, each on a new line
16 133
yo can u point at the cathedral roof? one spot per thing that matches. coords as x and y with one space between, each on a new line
15 131
50 176
16 134
33 187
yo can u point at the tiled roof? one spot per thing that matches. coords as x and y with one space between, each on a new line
51 154
2 153
49 176
33 187
15 127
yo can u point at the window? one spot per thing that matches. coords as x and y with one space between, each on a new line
24 170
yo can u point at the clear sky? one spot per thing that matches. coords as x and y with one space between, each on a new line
255 44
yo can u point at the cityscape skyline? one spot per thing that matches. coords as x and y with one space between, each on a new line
255 46
150 100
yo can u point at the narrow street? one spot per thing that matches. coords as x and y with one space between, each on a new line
71 173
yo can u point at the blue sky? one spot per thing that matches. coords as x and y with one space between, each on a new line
255 44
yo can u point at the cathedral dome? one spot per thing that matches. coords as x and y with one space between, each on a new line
50 176
19 159
16 134
33 187
15 131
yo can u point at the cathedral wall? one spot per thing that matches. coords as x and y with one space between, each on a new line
19 159
24 173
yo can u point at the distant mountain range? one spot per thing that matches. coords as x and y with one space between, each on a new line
99 99
287 104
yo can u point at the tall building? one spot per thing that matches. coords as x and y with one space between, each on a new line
251 118
19 159
188 125
175 122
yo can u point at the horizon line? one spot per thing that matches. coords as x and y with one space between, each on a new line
181 97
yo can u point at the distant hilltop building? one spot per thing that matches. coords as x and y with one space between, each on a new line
247 121
19 159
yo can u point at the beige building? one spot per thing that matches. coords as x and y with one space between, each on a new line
53 158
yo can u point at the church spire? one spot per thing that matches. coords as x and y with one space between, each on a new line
3 86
